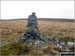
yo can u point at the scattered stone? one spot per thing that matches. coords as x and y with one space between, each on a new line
62 43
47 38
70 43
3 43
56 39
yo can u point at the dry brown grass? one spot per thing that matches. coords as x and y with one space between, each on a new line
11 29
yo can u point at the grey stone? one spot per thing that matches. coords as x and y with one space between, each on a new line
32 33
56 39
70 43
47 38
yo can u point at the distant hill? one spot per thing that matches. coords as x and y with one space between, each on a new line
57 19
49 19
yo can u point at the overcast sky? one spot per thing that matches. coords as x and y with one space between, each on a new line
43 9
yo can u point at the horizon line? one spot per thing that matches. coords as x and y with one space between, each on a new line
37 18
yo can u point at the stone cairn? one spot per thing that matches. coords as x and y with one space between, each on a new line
32 33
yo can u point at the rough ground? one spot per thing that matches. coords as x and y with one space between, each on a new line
11 29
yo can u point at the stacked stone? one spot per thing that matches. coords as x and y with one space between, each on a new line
32 33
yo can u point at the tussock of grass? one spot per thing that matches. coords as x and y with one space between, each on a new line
16 48
21 48
49 50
